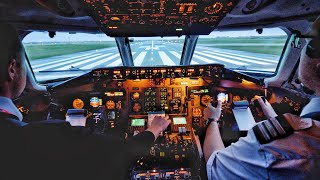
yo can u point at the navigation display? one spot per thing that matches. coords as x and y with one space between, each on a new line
179 120
137 122
144 17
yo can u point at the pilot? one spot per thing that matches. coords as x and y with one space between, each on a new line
283 147
54 149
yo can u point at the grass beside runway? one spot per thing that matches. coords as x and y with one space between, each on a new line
40 51
264 45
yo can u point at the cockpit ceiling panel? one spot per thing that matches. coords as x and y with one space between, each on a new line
158 17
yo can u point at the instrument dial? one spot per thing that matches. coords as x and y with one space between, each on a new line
136 107
135 96
78 104
110 104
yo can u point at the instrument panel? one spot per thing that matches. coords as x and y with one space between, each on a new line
126 100
145 17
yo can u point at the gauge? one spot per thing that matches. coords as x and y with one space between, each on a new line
110 104
95 102
78 104
136 107
206 99
135 96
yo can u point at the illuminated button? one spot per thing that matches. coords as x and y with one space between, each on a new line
162 154
176 157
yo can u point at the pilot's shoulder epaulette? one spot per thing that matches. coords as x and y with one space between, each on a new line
272 129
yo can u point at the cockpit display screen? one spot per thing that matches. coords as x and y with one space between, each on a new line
179 120
145 17
137 122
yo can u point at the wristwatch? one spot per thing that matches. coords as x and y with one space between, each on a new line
209 121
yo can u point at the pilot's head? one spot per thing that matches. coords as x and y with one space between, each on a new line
12 62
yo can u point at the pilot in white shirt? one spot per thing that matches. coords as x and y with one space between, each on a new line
283 147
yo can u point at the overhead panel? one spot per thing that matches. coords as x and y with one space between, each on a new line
158 17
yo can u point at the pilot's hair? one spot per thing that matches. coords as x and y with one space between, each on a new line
10 48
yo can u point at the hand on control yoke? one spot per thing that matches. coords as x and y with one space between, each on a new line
158 125
266 107
212 112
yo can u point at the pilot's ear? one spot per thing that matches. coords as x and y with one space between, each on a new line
12 69
318 67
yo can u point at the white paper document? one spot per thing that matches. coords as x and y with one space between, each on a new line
244 118
77 120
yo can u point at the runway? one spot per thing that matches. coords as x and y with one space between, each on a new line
155 53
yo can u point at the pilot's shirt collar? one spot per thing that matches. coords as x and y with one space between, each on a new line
312 107
7 105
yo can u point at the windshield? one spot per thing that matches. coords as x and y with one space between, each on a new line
155 51
245 51
68 55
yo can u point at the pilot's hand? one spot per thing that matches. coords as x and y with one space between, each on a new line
266 107
158 125
212 112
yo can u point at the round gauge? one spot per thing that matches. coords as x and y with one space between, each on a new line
206 99
135 96
95 102
110 104
136 107
78 103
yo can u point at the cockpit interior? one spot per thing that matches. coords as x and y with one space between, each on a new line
120 63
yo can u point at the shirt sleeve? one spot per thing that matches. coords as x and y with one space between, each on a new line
241 160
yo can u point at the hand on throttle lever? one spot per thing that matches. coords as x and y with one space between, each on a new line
266 107
211 112
158 125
